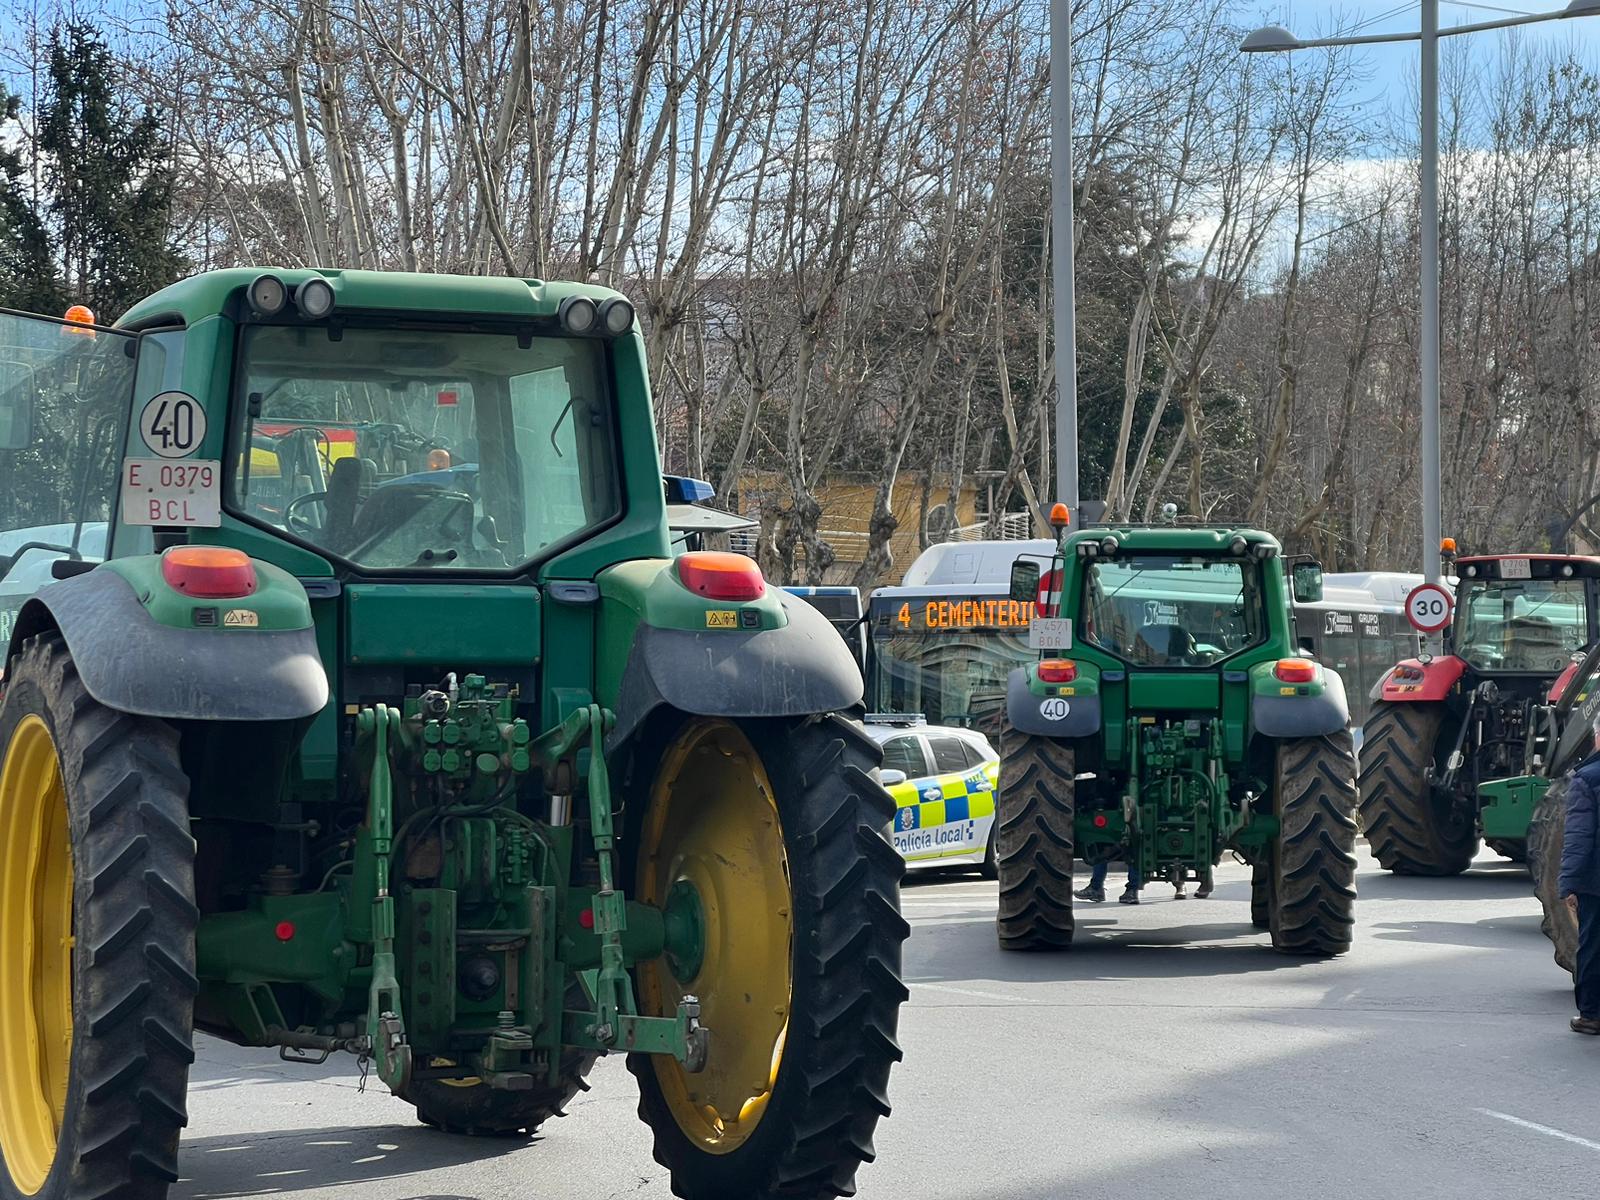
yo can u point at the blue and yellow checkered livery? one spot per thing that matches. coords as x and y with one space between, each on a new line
939 801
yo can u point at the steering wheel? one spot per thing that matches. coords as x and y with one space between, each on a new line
302 523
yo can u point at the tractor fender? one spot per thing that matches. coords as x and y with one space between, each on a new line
1323 709
800 668
1414 680
131 662
1047 716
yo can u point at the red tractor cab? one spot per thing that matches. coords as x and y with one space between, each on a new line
1442 726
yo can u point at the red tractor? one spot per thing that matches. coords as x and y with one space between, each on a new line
1440 727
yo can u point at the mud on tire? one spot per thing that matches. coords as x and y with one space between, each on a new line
1034 846
1313 900
1411 833
134 920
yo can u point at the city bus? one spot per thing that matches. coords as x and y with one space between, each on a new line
945 639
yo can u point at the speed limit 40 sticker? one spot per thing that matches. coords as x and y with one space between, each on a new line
172 424
1428 607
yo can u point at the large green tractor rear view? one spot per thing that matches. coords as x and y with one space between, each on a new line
1168 721
388 727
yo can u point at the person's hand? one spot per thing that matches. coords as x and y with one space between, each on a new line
1572 905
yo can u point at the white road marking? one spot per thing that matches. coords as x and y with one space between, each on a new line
955 991
1537 1128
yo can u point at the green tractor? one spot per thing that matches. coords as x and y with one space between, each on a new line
388 727
1167 721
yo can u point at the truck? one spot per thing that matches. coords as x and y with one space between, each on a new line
1167 720
383 723
1441 726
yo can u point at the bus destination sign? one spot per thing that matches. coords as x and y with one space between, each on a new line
961 616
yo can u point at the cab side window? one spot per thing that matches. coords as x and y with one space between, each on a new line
904 754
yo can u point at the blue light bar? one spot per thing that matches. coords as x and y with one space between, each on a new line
683 490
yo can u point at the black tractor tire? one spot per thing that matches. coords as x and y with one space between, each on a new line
1516 849
1261 894
133 982
1314 863
1034 848
1411 830
847 934
1546 832
477 1110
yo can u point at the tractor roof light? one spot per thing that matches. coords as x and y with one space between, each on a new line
1295 670
1566 570
267 295
579 315
209 572
314 298
1264 550
1109 546
1471 572
79 321
1060 515
719 575
1447 546
1057 670
1237 545
616 316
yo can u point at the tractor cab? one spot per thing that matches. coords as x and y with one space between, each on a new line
1524 615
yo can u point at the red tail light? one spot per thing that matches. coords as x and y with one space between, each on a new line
1295 670
208 572
717 575
1057 670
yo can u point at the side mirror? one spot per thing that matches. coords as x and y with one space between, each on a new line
1306 582
16 404
1024 580
891 777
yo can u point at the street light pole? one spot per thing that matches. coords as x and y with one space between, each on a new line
1061 265
1277 38
1432 496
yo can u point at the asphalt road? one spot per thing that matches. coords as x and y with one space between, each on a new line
1170 1054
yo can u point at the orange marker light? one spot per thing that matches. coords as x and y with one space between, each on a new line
1447 545
1295 670
438 460
1057 670
209 572
718 575
1059 516
76 316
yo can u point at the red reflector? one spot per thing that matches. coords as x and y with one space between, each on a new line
1058 670
285 931
586 918
208 572
1100 821
1295 670
718 575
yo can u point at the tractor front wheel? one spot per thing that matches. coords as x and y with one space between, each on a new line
1412 829
775 833
97 924
1035 810
1313 866
1546 832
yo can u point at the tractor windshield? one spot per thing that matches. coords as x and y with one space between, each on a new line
1173 611
414 448
1532 625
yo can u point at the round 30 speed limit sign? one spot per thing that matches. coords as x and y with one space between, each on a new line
1428 607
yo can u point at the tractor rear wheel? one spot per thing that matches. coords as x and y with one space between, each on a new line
1412 830
1546 832
1313 866
779 829
1034 848
1261 894
97 923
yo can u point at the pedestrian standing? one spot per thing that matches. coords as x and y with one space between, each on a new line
1579 885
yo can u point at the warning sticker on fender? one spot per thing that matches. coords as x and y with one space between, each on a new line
722 618
158 492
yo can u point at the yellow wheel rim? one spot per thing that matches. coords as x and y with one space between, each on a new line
713 824
36 943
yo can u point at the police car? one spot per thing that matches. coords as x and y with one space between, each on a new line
943 782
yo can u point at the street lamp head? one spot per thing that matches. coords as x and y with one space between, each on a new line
1582 8
1276 37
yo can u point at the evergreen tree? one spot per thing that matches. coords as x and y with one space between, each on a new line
28 278
109 182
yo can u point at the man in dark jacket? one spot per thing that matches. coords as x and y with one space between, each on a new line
1580 884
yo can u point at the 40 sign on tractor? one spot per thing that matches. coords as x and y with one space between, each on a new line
389 727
